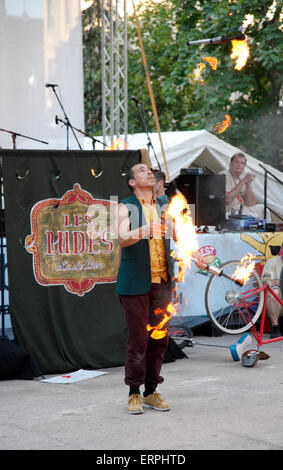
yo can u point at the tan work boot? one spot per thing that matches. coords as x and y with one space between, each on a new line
155 401
135 404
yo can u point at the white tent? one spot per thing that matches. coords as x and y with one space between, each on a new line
200 149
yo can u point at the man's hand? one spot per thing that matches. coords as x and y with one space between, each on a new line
199 260
248 178
157 229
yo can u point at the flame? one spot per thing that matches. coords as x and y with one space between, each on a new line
212 62
244 271
159 331
186 243
240 52
115 144
222 126
197 72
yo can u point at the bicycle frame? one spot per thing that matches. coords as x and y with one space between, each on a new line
258 336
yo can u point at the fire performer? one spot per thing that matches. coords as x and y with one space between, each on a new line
240 197
144 285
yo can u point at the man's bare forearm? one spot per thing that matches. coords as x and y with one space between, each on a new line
133 236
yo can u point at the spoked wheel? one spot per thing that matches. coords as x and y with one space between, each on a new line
232 308
181 335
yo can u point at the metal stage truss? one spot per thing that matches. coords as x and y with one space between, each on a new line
114 72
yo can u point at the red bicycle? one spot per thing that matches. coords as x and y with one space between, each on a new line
234 309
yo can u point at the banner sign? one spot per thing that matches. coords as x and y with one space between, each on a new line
73 241
63 255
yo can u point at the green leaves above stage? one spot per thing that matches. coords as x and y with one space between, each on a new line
250 96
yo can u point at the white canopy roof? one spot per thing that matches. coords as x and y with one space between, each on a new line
200 149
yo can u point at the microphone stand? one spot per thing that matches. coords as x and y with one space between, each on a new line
84 133
265 185
2 232
67 122
2 261
16 134
149 143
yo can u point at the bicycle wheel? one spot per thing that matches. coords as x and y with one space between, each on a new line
232 308
181 335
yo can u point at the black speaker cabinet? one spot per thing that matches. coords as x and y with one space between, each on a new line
206 197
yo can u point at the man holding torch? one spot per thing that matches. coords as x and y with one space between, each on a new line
144 285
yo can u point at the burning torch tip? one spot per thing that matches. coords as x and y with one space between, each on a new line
240 282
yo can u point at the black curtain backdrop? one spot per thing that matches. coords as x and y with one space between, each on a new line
62 331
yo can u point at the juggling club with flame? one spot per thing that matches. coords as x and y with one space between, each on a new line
218 272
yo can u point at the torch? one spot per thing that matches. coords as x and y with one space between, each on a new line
218 272
240 48
217 40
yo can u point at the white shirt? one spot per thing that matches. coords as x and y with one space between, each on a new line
231 182
273 267
235 206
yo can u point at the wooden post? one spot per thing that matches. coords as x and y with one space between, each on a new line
151 92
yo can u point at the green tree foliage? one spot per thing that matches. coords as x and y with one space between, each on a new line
91 25
250 96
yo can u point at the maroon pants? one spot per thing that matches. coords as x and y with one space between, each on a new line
144 354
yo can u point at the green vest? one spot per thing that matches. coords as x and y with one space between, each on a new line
134 275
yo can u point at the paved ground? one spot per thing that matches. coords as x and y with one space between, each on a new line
216 404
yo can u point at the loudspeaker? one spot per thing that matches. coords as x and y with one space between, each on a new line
207 194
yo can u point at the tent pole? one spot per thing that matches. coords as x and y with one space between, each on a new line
150 92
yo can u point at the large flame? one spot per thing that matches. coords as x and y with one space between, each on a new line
186 244
222 126
244 271
240 52
212 62
179 211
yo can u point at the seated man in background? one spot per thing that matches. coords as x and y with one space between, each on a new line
272 273
240 197
159 186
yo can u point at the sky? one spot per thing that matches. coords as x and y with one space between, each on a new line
87 3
